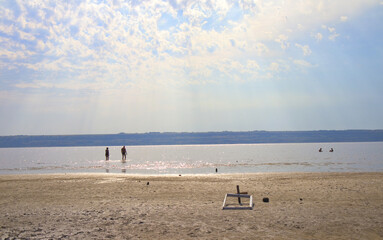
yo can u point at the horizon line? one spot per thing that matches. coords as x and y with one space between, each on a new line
180 132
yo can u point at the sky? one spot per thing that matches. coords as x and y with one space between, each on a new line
94 67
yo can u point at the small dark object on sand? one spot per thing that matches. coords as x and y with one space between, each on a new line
301 199
179 175
147 183
265 199
216 170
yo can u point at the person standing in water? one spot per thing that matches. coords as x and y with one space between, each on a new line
107 154
123 153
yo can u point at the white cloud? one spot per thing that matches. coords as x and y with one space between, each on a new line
282 39
221 7
251 64
343 18
318 36
274 67
120 41
40 45
333 34
26 36
331 29
7 29
306 49
15 55
302 63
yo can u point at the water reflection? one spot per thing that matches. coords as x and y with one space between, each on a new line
114 166
107 167
197 159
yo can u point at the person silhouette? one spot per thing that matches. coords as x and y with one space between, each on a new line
123 153
106 154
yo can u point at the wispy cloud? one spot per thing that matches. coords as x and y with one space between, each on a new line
123 39
344 18
176 46
305 49
332 31
318 36
302 63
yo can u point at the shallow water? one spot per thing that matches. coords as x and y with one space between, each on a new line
197 159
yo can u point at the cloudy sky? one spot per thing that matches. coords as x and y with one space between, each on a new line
74 67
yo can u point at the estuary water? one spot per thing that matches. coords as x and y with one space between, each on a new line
196 159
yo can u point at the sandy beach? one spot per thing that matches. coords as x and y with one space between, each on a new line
117 206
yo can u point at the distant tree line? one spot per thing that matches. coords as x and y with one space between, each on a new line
183 138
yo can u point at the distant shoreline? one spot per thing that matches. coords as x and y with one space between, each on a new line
191 138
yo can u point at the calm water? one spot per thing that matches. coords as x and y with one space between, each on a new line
197 159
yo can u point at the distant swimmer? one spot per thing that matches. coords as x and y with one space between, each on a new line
320 150
107 154
331 150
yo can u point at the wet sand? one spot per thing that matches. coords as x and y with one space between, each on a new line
119 206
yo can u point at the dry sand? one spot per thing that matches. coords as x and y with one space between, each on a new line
116 206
